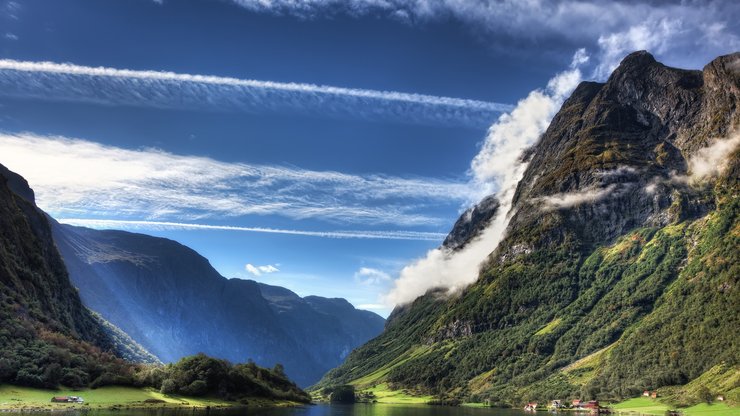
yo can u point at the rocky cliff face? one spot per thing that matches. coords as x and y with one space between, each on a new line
473 221
611 141
168 298
33 273
611 238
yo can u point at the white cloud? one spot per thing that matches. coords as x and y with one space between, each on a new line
707 162
654 36
370 277
259 270
712 160
496 169
571 199
78 178
251 269
11 36
163 225
168 90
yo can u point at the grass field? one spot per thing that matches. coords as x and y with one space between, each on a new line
385 395
647 406
24 398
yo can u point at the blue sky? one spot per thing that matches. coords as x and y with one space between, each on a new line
327 144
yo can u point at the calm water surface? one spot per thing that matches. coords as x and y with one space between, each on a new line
317 410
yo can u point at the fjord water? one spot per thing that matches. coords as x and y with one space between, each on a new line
384 410
317 410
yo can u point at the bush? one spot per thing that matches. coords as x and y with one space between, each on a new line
168 387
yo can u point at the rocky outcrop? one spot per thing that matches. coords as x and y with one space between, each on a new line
471 223
605 164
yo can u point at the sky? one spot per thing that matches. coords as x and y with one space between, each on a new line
326 146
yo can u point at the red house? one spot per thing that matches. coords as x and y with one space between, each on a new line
592 404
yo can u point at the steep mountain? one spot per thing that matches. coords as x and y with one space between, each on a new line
46 335
619 268
168 298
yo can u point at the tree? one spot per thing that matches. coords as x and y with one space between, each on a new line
343 394
704 394
168 387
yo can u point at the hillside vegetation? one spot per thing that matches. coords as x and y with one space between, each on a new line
600 299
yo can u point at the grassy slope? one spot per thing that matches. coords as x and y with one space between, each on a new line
647 406
384 394
19 398
567 352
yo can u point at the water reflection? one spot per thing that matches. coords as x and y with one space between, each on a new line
318 410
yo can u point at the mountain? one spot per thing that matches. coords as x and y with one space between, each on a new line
620 266
170 299
47 336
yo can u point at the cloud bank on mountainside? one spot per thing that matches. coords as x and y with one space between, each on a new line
496 169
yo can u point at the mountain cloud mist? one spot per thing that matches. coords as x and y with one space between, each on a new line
496 169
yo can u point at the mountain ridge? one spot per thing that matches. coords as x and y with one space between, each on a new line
171 300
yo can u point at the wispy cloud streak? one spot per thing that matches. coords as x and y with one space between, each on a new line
169 90
164 225
79 178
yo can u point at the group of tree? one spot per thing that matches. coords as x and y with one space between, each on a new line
46 359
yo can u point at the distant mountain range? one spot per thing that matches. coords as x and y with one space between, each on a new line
620 267
170 299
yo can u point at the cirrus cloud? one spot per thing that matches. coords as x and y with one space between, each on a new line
169 90
98 181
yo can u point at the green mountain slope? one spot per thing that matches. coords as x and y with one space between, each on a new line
47 336
632 288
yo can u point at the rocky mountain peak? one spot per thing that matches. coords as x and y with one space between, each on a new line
589 176
18 184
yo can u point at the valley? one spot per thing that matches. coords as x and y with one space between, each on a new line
370 207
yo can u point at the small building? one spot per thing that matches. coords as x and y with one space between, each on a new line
67 399
646 393
576 404
654 395
592 404
530 407
556 404
720 398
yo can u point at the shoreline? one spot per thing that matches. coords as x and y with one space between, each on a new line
17 399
